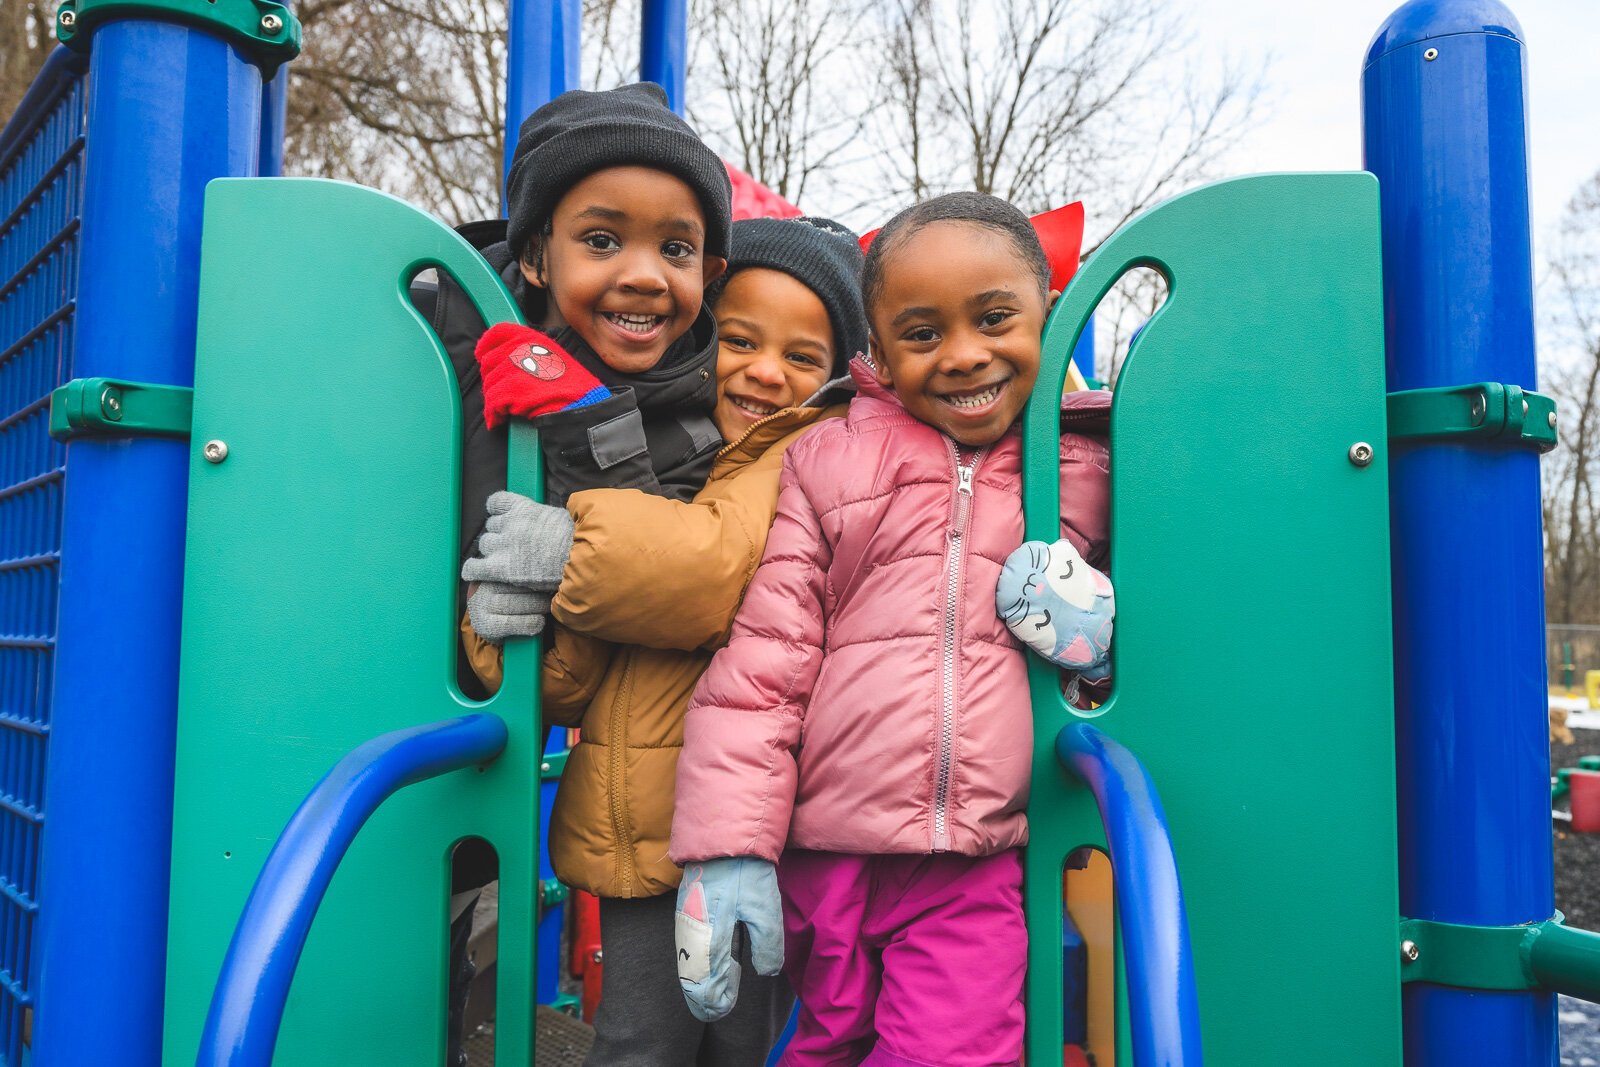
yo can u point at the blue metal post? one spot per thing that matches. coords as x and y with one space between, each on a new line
170 108
1445 131
664 47
542 59
1083 352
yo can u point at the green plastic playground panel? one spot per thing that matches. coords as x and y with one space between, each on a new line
320 611
1252 652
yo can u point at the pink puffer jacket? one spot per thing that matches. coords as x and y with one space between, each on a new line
870 700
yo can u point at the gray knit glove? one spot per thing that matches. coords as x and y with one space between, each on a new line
523 544
499 611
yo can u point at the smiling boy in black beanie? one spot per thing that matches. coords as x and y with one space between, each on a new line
618 218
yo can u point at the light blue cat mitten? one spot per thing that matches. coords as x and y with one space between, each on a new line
713 897
1059 606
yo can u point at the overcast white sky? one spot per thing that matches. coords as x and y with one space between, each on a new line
1313 119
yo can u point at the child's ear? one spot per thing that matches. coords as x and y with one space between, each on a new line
1050 300
531 263
880 366
711 269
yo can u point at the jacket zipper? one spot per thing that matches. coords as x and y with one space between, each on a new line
962 514
617 785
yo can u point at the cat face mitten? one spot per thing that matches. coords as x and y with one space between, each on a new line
1059 606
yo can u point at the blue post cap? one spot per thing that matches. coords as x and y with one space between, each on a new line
1421 20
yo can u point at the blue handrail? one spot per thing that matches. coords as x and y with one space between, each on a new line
1164 1008
247 1007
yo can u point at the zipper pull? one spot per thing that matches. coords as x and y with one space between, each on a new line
963 497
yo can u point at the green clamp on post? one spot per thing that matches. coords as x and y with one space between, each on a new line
552 764
1544 955
551 893
107 407
267 32
1486 411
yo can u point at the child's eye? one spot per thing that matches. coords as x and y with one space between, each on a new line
601 242
743 344
921 334
995 318
677 250
804 358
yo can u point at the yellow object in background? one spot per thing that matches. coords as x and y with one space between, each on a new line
1093 911
1591 683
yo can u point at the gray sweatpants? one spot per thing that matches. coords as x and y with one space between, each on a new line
643 1020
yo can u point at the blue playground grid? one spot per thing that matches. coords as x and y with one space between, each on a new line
41 190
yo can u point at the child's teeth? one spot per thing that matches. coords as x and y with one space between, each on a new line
977 400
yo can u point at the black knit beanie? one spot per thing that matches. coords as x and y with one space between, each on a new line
820 254
580 132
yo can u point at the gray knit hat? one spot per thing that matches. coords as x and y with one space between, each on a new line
580 132
820 254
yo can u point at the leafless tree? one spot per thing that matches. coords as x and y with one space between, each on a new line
405 96
27 33
774 87
1572 328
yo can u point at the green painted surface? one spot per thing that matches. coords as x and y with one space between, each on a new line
320 611
1252 652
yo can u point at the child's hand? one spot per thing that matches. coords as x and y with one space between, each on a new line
714 896
499 611
1059 606
523 544
527 374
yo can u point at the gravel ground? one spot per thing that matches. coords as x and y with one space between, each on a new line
1578 896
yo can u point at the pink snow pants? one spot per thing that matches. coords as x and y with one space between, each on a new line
904 961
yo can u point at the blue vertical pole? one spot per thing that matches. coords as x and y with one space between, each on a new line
542 59
1083 353
664 47
1445 130
274 118
169 109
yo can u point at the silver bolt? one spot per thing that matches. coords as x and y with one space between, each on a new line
1524 409
1431 54
215 451
1409 951
598 955
544 768
111 403
1479 408
1361 453
1552 420
271 24
69 19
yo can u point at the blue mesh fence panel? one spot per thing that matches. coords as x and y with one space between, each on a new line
41 171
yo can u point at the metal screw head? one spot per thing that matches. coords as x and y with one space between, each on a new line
1552 419
215 451
1409 951
111 404
544 768
1361 453
599 955
1480 408
1431 54
68 19
271 24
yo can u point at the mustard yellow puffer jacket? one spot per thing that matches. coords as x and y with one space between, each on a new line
649 593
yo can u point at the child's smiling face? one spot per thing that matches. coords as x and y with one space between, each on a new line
956 328
775 348
625 264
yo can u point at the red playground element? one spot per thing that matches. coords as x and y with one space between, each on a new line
1060 231
1075 1057
752 200
1584 789
587 961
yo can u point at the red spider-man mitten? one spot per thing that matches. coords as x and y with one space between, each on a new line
527 374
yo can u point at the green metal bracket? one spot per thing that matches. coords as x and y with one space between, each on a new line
1544 955
1485 411
268 32
108 407
551 892
552 764
568 1004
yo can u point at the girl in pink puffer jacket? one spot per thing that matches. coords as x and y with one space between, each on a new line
863 744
